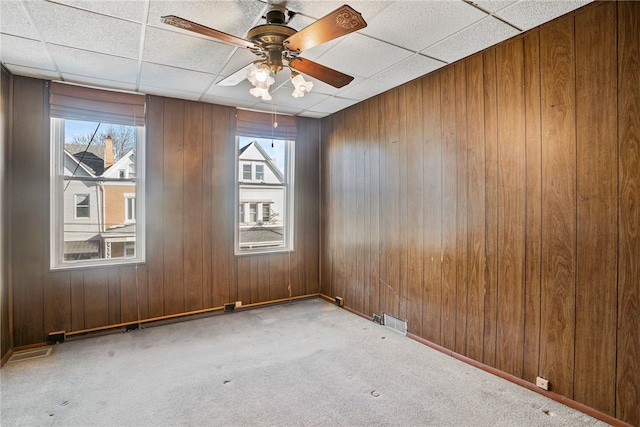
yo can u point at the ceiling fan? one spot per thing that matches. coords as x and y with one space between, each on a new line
278 45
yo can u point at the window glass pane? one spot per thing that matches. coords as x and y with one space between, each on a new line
246 172
267 226
93 196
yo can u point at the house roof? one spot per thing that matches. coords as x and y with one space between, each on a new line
91 156
277 172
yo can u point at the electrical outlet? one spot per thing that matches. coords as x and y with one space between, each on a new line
238 304
339 301
542 383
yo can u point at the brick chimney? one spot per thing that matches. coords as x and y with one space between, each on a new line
108 152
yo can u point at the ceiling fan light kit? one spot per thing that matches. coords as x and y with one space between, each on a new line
301 86
279 46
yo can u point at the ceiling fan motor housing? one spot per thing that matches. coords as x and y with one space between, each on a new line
270 38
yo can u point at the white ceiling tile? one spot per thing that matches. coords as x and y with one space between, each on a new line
361 55
493 5
267 106
529 14
97 82
283 98
472 39
26 52
14 20
333 104
80 36
312 114
127 9
409 69
161 91
239 92
184 51
366 89
239 60
176 79
20 70
417 25
232 17
231 102
64 25
96 65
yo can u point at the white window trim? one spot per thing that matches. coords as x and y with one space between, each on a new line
56 199
288 211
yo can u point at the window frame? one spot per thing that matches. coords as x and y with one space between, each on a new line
57 181
288 213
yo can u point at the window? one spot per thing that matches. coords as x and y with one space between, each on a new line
265 203
246 172
253 207
130 207
97 204
259 172
129 250
82 206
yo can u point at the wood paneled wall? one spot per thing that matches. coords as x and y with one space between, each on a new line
190 263
5 102
493 204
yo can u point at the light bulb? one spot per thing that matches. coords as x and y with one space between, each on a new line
262 73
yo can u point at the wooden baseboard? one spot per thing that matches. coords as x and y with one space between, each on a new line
524 383
6 357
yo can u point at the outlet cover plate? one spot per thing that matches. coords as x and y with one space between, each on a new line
542 383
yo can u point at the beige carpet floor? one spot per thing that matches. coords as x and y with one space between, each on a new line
306 363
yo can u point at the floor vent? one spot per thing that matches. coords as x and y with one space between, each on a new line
395 324
35 353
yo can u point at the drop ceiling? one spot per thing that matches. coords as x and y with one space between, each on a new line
123 45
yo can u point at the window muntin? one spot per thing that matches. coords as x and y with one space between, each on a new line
99 227
264 195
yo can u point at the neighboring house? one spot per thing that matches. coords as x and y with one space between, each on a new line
261 198
99 213
119 200
81 208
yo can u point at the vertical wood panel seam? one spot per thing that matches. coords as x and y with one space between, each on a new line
497 184
615 368
526 200
576 204
541 203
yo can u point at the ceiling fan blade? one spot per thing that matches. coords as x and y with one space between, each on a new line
342 21
201 29
320 72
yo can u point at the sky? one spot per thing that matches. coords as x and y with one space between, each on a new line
76 127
